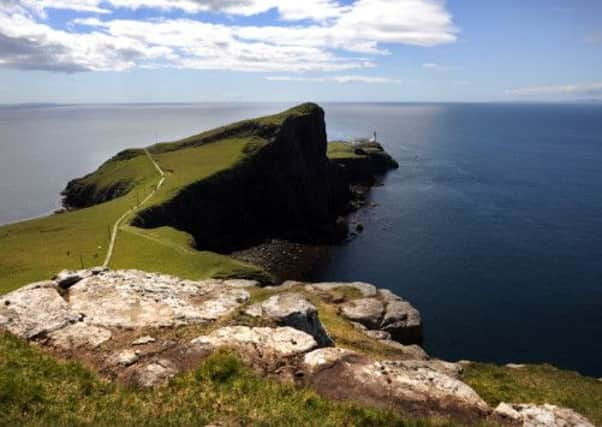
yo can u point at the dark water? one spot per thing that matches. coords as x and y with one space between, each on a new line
492 226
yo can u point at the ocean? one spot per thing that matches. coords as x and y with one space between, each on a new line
491 226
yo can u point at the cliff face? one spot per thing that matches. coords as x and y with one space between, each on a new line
87 191
287 188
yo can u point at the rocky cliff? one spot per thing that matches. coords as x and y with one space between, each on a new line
337 338
286 188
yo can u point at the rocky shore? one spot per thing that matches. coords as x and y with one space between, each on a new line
145 328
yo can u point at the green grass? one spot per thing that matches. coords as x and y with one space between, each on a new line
341 150
38 390
127 170
537 384
37 249
261 127
165 250
189 165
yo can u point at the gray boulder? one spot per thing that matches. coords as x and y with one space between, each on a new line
35 310
541 415
134 299
67 278
125 357
292 309
79 334
367 311
343 374
155 373
282 341
403 322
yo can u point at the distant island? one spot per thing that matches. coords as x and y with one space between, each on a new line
173 284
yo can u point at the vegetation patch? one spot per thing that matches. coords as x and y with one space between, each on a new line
537 384
37 249
36 389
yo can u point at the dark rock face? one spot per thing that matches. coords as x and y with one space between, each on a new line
79 193
287 189
374 161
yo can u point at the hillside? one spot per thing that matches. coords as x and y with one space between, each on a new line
223 189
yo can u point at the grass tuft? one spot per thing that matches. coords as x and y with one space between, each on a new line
537 384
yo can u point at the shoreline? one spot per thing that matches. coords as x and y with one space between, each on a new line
289 260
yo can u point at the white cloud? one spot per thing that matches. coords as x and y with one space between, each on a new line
327 35
582 89
439 67
337 79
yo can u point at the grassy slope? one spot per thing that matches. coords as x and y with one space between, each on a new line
37 249
167 250
38 390
537 384
341 150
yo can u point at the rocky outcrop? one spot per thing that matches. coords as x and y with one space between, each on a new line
282 341
369 160
386 316
541 415
79 334
367 311
344 374
114 299
145 328
292 309
365 289
35 310
133 299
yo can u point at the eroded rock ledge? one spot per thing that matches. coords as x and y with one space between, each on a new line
145 328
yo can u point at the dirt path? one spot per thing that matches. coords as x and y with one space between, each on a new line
117 224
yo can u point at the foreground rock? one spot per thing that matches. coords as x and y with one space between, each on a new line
387 316
283 341
35 310
292 309
415 388
146 328
133 299
541 415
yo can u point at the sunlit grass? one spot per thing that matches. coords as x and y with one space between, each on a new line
38 390
537 384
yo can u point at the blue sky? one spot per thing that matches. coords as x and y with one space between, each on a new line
287 50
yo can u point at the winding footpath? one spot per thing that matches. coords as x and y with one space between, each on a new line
117 224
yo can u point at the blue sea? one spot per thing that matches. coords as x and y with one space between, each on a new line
491 226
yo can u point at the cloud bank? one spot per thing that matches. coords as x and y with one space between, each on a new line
582 89
313 35
336 79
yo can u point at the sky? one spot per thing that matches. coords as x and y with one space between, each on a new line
72 51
